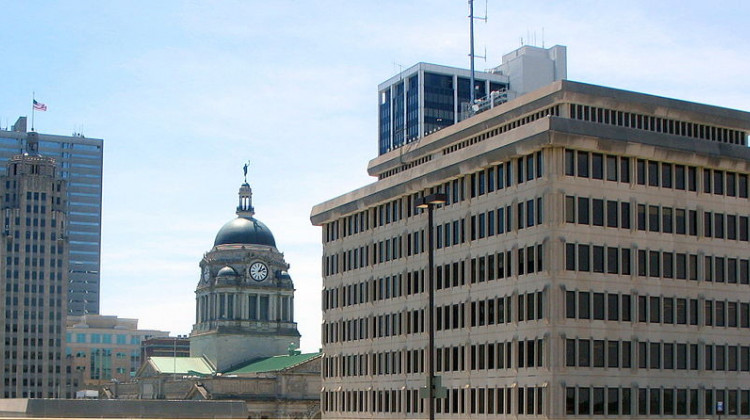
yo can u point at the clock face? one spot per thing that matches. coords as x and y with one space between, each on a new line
258 271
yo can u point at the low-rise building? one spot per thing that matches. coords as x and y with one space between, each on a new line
165 347
285 386
103 348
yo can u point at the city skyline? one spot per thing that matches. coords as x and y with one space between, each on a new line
183 94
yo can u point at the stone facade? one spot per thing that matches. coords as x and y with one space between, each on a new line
34 255
591 260
288 393
245 297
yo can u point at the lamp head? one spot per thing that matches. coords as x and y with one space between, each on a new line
432 200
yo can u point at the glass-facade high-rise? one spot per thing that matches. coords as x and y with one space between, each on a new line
426 98
79 162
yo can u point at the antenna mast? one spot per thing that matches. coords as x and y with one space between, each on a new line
472 94
471 51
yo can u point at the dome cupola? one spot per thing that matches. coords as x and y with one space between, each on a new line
245 229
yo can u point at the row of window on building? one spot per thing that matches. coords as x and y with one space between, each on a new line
451 233
528 260
587 401
103 338
483 312
529 400
652 218
586 352
656 124
578 163
656 309
658 264
531 306
496 178
651 173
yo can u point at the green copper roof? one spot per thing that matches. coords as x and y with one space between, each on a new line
275 363
182 365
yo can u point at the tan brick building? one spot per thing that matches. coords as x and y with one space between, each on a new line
104 348
591 260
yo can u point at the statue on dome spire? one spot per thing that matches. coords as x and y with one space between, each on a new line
245 206
244 168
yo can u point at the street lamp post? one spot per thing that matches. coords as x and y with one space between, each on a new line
429 202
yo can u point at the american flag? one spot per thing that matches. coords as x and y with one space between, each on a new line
39 106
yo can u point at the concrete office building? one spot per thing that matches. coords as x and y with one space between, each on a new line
34 267
105 348
591 261
428 97
79 160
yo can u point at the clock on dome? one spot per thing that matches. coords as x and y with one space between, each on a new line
258 271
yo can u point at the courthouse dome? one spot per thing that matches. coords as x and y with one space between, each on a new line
244 231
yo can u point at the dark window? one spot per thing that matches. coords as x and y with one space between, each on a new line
626 311
583 210
598 212
654 310
613 307
597 166
599 307
584 353
706 180
624 169
598 259
718 182
653 264
569 163
625 262
641 172
653 173
679 177
666 175
611 168
666 219
570 257
653 218
611 213
680 222
612 260
584 305
625 215
583 164
583 258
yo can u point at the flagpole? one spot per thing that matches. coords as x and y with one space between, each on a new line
33 98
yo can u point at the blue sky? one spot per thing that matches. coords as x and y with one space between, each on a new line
184 92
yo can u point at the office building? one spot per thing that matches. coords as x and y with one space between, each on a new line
428 97
79 160
245 296
34 266
591 260
165 347
105 348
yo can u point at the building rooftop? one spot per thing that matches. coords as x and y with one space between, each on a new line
639 118
275 363
181 366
